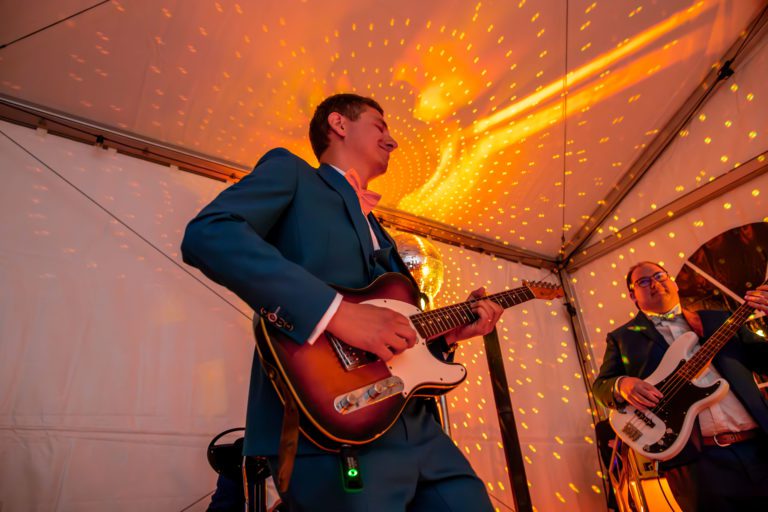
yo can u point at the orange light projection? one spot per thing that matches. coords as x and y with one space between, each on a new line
459 175
473 91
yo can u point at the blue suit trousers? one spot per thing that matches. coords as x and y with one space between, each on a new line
414 467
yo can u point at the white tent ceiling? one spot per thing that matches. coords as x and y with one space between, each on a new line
474 91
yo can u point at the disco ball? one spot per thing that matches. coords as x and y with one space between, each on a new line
424 261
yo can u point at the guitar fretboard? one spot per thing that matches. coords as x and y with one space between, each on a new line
712 346
431 324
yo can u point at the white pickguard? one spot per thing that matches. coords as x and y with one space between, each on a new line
417 367
630 419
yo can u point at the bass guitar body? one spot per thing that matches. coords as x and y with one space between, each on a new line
661 433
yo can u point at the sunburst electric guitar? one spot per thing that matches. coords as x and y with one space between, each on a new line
348 396
662 431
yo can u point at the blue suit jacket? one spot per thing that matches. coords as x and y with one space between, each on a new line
276 239
636 349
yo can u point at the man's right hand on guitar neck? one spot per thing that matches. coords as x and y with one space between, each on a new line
377 330
638 392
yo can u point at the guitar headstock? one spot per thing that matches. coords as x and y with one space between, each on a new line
546 291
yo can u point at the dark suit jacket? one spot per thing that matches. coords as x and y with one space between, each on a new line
636 349
276 239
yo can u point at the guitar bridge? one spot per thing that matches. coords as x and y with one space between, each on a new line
632 432
350 357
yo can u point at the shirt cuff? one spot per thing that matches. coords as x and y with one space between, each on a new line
616 393
325 320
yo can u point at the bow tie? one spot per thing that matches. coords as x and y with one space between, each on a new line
367 198
669 317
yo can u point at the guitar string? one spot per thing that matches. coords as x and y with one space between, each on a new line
678 381
501 296
441 320
707 351
518 295
712 346
433 319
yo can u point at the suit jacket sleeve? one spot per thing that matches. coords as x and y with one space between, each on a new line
226 241
611 369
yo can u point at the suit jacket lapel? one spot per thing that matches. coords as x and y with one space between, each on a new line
643 325
337 182
403 268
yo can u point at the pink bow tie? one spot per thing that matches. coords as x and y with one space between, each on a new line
367 198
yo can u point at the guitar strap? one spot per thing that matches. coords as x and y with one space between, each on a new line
289 434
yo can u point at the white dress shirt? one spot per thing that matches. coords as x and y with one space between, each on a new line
322 325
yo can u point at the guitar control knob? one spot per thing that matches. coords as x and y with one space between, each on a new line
347 401
376 390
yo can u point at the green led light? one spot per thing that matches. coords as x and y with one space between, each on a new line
352 473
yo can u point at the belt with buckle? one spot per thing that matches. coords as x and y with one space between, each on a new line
729 438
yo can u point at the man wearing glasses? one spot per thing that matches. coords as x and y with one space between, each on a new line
705 475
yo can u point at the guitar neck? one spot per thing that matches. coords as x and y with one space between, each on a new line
717 341
434 323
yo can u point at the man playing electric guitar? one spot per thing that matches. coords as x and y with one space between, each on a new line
724 465
279 239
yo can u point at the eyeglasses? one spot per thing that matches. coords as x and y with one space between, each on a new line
645 282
